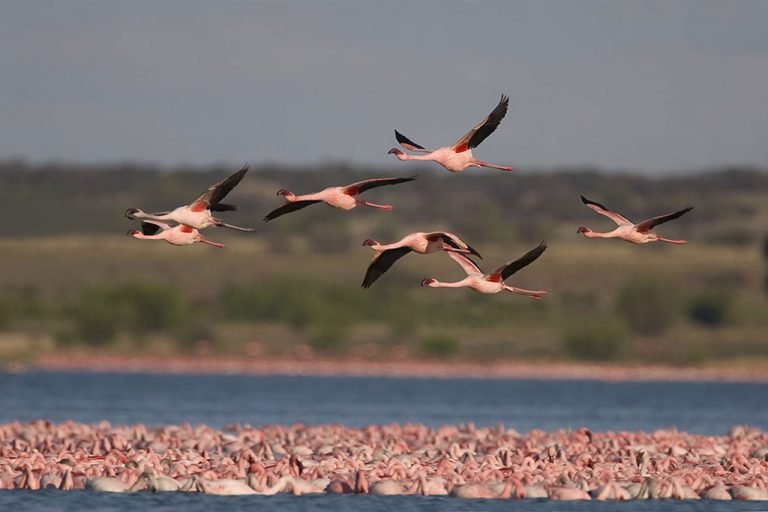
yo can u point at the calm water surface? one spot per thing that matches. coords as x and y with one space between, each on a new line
216 400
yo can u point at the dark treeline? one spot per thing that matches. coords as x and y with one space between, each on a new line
731 205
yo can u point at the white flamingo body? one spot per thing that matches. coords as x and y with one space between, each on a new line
332 196
341 198
627 230
447 157
198 219
458 156
179 235
492 282
198 214
419 242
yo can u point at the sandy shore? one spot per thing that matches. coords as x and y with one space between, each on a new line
506 369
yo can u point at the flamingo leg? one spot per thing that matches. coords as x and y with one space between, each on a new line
220 224
480 163
662 239
374 205
204 241
533 294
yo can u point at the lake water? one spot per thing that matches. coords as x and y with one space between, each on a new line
216 400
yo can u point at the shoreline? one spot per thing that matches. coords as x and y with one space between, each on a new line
395 369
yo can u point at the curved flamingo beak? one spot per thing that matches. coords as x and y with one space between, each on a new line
368 241
282 192
394 151
130 212
132 232
582 229
426 281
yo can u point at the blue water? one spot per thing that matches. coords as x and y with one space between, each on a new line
217 400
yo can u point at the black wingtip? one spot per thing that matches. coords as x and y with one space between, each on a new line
473 251
585 200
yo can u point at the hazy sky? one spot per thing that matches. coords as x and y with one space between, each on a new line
659 85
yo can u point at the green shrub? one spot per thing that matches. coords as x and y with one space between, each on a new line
440 345
595 340
710 308
329 338
101 313
649 307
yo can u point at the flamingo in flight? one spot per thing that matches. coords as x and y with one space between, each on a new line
494 281
198 214
458 156
343 198
420 243
180 234
629 231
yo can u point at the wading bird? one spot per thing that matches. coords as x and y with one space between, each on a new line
494 281
180 234
628 230
458 156
198 214
343 198
420 243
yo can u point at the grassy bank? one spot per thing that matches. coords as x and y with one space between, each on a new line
609 302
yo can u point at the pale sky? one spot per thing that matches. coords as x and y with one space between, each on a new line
648 85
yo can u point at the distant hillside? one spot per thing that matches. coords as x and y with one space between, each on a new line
496 207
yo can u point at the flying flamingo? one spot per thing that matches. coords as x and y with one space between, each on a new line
198 214
458 156
343 198
628 230
420 243
181 234
493 282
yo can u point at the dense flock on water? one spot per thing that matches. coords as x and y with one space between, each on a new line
458 461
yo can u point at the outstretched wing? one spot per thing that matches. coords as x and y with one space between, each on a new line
210 198
602 210
649 224
469 266
409 144
381 263
484 128
362 186
511 267
288 208
152 227
454 241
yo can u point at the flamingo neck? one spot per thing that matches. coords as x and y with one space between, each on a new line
157 236
594 234
442 284
144 215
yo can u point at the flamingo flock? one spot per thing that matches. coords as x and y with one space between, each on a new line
455 158
457 461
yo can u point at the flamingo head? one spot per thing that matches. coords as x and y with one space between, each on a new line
427 281
131 212
398 153
288 195
582 229
370 241
133 232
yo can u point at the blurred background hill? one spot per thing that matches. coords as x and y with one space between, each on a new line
71 281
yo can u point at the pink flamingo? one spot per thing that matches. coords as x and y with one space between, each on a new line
458 156
420 243
628 230
494 281
181 234
198 214
343 198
